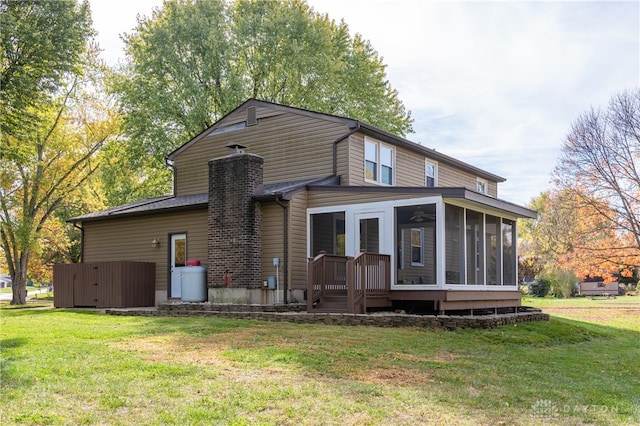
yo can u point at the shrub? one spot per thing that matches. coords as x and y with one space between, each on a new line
564 283
540 287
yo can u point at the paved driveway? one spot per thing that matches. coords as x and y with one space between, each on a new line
9 296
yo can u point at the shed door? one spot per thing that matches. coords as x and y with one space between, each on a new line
85 286
178 262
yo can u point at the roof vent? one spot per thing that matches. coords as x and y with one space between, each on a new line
252 117
236 148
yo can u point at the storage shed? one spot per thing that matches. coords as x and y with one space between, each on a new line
117 284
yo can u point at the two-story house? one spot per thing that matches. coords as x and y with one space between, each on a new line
330 208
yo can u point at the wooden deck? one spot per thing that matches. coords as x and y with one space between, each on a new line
348 284
355 284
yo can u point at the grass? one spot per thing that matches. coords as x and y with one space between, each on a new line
621 312
82 367
10 289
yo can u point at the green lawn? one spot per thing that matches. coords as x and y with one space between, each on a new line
9 289
81 367
620 312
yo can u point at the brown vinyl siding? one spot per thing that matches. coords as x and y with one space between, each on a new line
449 176
273 238
342 153
356 159
337 198
298 241
409 169
493 189
240 115
294 147
130 239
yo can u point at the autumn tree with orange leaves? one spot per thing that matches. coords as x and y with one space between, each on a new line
598 177
568 236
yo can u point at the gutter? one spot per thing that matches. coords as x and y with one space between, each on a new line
285 243
335 146
169 164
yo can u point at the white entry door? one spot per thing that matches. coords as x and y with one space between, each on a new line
370 233
178 262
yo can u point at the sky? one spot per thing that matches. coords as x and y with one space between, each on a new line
495 84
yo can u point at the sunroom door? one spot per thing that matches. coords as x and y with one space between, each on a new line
369 233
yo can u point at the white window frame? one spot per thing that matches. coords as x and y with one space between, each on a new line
385 210
378 162
482 186
427 163
420 245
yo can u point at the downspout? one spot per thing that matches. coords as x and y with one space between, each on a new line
75 225
169 164
285 243
335 147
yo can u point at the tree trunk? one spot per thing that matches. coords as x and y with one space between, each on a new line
19 285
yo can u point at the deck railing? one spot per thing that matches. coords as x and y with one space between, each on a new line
368 275
327 275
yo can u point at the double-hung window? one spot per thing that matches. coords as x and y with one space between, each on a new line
482 186
431 173
378 162
417 248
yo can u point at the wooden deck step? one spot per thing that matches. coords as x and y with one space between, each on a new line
332 304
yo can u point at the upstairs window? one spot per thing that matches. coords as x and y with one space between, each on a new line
378 162
482 186
431 173
370 160
417 248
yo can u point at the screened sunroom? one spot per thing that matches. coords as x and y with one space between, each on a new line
431 242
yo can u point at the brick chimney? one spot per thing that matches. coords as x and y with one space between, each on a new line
235 221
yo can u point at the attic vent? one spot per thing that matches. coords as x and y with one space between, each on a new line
252 118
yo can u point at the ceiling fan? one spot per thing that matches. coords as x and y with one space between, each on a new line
418 216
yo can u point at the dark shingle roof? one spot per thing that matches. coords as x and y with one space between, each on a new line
149 205
187 202
285 189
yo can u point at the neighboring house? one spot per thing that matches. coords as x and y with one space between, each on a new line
269 186
5 281
598 288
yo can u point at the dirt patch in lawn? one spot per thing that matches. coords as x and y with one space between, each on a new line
394 376
175 349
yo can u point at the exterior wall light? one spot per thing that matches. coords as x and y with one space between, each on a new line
155 243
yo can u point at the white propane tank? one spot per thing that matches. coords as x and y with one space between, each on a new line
194 283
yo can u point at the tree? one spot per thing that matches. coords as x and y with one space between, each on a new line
600 167
568 238
41 171
52 124
42 42
194 61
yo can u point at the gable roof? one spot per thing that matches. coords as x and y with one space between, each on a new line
353 125
229 119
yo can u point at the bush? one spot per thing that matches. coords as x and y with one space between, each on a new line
540 287
564 283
